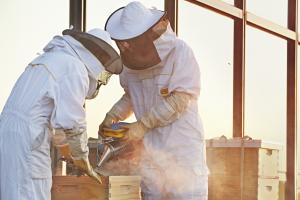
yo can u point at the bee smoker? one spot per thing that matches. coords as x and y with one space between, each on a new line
113 143
111 148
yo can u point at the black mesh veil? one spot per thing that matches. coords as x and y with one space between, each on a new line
103 51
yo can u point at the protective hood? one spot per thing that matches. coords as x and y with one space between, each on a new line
165 43
72 47
98 43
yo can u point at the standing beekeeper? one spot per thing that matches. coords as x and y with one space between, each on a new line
161 80
49 97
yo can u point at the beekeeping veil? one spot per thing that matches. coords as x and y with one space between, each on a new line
135 28
97 42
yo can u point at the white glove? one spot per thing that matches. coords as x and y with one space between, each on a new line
85 166
77 140
72 144
60 142
168 111
136 130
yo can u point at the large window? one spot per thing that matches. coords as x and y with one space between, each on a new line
265 89
214 54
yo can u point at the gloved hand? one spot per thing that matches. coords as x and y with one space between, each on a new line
107 122
85 166
136 130
77 142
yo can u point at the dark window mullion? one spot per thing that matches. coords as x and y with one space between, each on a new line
291 121
239 72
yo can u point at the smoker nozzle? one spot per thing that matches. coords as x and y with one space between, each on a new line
111 150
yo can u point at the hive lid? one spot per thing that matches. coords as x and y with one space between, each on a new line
246 142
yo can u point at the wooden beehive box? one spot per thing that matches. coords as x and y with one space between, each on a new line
77 188
124 188
242 169
84 188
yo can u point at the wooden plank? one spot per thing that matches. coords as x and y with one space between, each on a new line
233 12
124 196
220 7
77 188
125 189
114 179
238 142
270 27
228 187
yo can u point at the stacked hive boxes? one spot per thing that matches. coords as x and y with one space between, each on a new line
119 187
79 188
242 169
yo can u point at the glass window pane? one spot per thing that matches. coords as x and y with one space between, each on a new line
210 36
27 26
97 14
275 11
265 89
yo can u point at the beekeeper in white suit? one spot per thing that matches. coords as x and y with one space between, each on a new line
161 79
50 94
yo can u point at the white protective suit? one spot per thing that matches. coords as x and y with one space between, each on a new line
174 165
50 94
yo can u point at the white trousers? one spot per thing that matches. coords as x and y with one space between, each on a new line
41 189
16 158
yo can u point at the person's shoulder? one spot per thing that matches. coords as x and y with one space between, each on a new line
68 65
182 49
181 45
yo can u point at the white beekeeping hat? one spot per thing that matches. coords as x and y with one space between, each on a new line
132 20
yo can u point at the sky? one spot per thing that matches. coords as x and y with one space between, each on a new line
27 26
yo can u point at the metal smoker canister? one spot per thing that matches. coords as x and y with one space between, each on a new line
114 143
111 149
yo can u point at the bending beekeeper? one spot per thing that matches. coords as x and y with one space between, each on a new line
49 97
161 80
